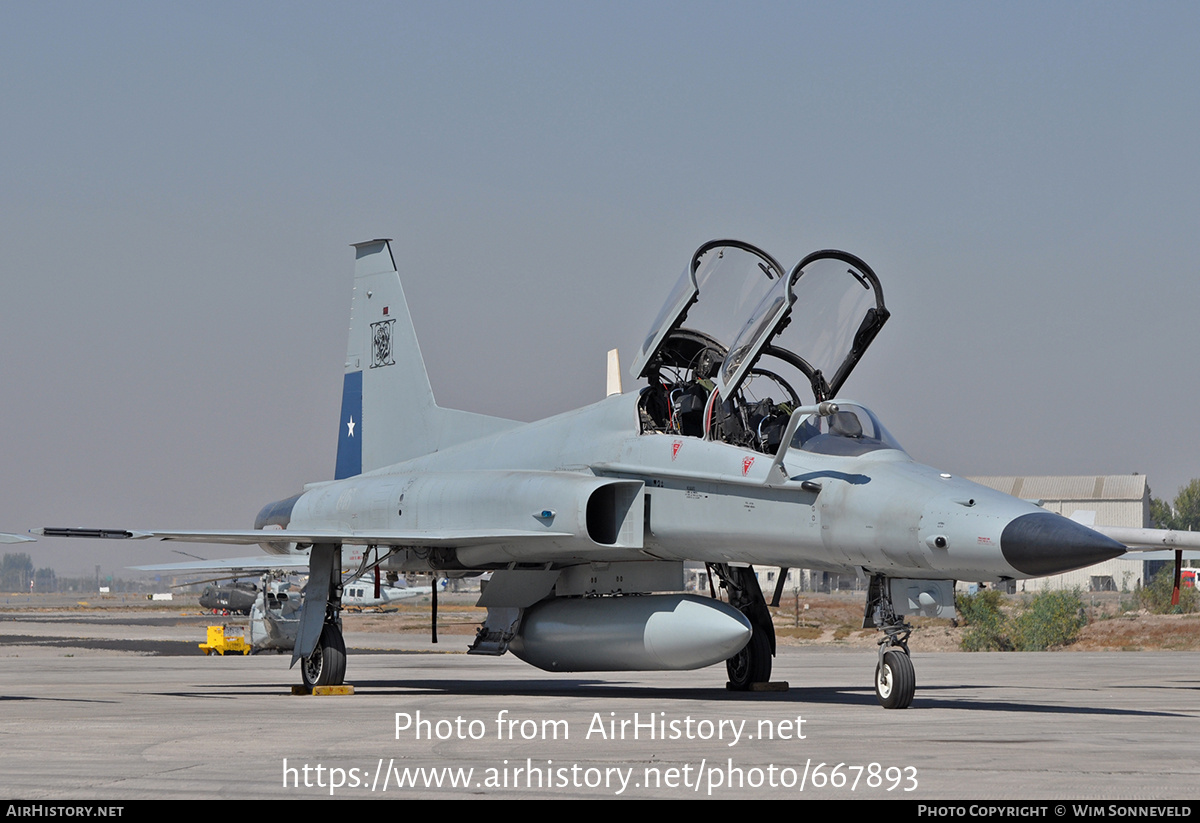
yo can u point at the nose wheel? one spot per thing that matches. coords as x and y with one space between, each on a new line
895 680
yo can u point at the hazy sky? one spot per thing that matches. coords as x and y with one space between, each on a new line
180 184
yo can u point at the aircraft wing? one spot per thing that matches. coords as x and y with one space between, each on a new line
411 539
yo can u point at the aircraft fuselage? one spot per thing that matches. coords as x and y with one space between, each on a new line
679 498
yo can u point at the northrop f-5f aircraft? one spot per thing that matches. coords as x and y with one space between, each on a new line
586 518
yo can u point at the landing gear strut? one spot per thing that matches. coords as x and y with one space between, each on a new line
895 678
753 663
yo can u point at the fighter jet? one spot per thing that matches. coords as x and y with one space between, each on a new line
735 450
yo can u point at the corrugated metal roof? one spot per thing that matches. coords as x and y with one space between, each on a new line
1085 487
1131 513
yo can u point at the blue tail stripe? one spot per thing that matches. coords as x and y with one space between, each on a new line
349 451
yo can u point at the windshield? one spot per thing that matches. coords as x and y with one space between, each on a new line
850 431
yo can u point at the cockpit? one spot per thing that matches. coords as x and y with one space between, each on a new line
848 432
740 338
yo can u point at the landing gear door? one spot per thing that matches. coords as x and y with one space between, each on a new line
723 282
820 320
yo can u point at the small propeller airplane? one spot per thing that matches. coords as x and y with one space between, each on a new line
586 518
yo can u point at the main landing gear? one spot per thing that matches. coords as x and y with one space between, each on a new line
320 649
895 678
753 663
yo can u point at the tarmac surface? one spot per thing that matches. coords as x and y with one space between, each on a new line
122 705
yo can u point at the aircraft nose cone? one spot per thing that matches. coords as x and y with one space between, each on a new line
1042 543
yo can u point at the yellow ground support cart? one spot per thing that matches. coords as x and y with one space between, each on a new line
221 643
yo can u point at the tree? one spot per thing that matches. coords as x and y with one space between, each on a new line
1183 515
15 571
1161 515
45 580
1187 507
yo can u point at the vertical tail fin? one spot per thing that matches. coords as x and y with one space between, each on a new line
388 410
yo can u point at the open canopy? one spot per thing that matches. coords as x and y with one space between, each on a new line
734 313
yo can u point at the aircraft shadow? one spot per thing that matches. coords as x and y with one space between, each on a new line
936 697
930 697
927 697
31 698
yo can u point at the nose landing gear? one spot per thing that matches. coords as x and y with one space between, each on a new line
895 678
